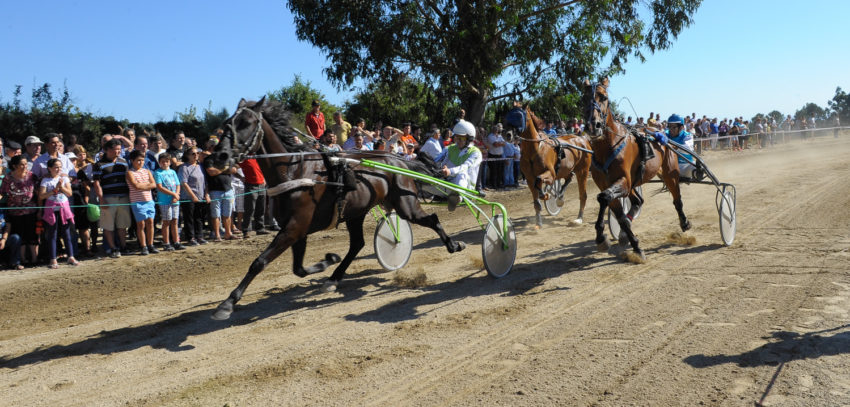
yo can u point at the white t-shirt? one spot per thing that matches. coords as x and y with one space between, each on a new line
52 183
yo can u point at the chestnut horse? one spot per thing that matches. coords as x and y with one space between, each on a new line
540 165
617 166
312 191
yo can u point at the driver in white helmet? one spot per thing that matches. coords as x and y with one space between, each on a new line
460 161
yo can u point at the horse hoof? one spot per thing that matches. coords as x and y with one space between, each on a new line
332 258
686 225
329 286
459 246
577 222
223 311
603 246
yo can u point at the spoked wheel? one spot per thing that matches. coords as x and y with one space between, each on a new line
626 204
499 259
552 203
393 253
728 218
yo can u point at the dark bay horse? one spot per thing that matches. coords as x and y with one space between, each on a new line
617 166
308 192
540 165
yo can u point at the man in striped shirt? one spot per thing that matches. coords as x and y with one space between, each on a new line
110 185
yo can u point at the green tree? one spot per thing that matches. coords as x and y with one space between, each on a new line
399 101
465 48
811 109
776 115
298 97
840 104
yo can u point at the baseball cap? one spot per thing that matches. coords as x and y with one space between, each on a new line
14 145
33 140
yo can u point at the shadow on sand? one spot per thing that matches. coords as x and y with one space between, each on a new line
786 347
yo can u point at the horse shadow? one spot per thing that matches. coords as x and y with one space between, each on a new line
524 279
172 333
788 346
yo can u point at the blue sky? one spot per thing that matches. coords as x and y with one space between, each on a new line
144 61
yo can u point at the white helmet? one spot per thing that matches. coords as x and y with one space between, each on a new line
464 127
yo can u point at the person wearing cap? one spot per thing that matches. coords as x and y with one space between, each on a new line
315 120
12 148
33 150
460 161
39 166
409 152
676 132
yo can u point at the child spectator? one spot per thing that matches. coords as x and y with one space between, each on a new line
168 200
141 182
193 194
55 189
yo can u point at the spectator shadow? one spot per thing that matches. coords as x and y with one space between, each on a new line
172 333
787 346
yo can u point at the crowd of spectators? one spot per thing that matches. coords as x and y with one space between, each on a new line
54 204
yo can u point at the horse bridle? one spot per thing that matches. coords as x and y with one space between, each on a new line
595 106
256 138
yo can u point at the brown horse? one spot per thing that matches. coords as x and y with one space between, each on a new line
618 168
313 191
540 165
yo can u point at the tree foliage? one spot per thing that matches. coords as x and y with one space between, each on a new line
52 111
298 97
840 104
810 109
466 48
399 101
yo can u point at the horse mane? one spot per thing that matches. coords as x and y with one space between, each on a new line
534 119
278 118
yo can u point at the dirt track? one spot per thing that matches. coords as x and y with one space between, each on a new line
763 320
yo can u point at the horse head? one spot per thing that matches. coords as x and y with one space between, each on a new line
596 108
243 133
522 122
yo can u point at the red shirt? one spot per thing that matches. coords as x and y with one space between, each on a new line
252 172
315 123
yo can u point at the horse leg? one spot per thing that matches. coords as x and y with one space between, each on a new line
563 189
670 176
626 229
298 250
284 239
604 198
536 192
410 210
356 243
636 199
581 178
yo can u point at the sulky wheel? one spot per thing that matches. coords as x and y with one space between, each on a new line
728 218
393 253
498 259
551 204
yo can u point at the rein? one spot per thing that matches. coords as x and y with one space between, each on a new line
568 145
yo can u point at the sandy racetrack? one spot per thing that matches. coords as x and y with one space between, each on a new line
765 320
